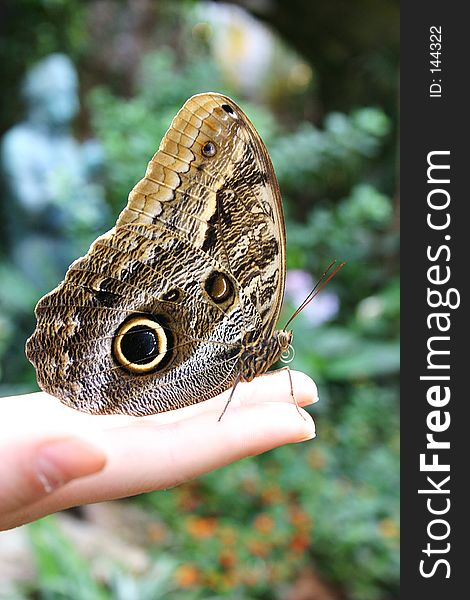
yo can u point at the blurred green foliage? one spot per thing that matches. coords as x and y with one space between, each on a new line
245 531
29 30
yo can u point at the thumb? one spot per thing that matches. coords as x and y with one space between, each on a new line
30 470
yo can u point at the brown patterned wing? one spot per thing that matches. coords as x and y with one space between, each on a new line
213 182
153 317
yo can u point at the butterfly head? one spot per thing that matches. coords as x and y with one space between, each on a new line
284 339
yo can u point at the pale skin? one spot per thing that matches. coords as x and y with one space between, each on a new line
53 457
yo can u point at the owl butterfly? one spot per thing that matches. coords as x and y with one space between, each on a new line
179 301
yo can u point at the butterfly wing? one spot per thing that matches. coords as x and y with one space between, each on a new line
227 204
153 316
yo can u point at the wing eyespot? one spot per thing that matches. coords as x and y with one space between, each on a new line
229 110
142 344
209 149
219 288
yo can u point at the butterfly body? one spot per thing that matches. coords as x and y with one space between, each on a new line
256 357
180 299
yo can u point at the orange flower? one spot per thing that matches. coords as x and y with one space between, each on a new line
299 542
264 523
187 575
227 559
157 532
201 527
272 494
259 547
299 518
188 499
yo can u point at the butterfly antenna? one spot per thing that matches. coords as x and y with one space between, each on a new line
316 290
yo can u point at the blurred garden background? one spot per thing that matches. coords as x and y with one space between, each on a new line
314 521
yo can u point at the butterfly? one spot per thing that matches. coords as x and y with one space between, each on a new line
179 301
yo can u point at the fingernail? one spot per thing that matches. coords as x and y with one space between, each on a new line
309 434
60 461
310 401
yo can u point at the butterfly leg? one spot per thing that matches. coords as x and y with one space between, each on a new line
292 391
237 381
291 387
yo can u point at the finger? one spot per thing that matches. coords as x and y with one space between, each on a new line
274 386
30 470
271 387
146 456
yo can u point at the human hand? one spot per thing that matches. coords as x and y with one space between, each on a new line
54 457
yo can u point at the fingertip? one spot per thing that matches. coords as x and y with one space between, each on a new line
31 470
269 425
308 430
305 389
276 386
